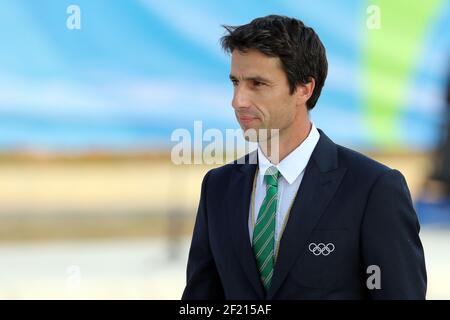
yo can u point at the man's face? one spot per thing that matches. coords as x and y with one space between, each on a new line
262 98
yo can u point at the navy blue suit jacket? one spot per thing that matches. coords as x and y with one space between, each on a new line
359 205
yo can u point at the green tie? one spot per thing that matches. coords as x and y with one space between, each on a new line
264 231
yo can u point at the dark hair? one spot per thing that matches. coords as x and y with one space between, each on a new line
299 48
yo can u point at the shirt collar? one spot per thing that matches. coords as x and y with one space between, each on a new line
295 162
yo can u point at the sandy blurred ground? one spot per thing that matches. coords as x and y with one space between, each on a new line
139 269
100 187
129 197
133 185
98 229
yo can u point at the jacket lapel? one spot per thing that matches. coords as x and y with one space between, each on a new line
319 184
239 195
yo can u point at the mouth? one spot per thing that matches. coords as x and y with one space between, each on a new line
247 119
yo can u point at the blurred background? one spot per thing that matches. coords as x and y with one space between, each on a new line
91 205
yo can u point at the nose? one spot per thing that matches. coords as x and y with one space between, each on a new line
240 98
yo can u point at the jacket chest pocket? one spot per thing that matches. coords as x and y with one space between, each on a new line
321 264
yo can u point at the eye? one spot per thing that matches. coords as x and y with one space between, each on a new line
234 82
257 83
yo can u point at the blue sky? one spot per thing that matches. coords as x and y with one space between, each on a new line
137 70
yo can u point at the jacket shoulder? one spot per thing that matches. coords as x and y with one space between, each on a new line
228 168
360 163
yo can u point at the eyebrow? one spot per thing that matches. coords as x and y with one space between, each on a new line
255 78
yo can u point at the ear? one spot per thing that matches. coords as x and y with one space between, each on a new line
305 91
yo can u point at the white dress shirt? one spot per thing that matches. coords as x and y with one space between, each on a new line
291 170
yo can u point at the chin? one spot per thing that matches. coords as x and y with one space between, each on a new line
250 139
251 134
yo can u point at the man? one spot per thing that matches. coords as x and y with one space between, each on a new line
319 222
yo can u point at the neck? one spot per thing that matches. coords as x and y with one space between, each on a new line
287 142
